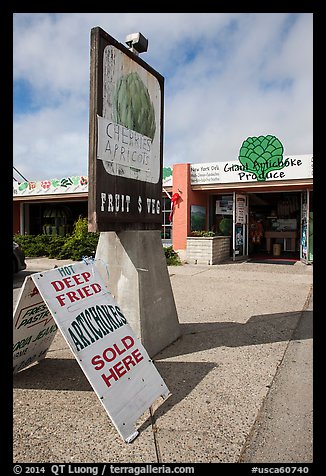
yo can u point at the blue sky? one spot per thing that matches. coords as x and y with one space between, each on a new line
228 76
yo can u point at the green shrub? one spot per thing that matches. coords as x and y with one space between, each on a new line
74 246
55 245
80 243
34 245
171 256
203 233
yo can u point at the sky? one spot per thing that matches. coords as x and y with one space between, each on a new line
227 77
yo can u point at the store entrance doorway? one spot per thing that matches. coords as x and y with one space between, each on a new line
274 225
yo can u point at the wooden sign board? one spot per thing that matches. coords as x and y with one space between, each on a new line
125 139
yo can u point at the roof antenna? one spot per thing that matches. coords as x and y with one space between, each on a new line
22 176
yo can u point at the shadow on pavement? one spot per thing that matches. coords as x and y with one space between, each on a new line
65 374
180 377
262 329
53 374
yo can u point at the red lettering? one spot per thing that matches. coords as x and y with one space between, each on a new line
58 286
121 367
96 287
80 292
108 377
97 362
61 299
128 361
109 350
131 342
70 281
77 279
120 370
137 355
86 275
72 296
86 291
118 351
67 282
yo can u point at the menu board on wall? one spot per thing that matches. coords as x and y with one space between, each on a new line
241 209
224 207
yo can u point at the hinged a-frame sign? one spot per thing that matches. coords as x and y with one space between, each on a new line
74 299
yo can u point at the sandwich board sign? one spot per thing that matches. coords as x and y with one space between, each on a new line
111 356
33 327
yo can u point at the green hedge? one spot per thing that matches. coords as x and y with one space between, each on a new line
172 257
40 245
73 246
203 233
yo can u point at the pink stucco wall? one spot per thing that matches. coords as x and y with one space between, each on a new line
181 216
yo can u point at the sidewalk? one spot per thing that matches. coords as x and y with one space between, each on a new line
236 320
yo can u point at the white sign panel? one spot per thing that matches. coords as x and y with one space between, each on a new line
131 96
167 176
294 167
224 207
126 152
205 173
33 327
111 356
241 209
66 185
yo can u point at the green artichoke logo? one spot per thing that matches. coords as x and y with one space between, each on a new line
132 106
260 155
167 172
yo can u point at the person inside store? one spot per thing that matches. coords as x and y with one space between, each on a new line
256 233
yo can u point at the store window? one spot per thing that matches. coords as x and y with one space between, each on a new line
223 215
53 218
166 233
56 220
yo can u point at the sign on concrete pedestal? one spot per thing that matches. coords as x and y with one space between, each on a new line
113 359
125 186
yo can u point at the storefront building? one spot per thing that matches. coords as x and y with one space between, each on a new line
266 215
49 206
262 216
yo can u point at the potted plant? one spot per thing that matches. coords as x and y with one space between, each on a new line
207 247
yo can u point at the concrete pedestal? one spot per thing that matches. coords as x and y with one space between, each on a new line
139 281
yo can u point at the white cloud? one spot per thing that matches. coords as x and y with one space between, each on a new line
52 143
227 76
